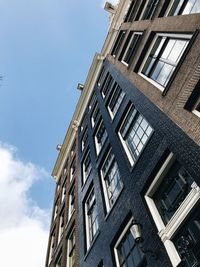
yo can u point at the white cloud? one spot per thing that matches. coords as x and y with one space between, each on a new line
24 226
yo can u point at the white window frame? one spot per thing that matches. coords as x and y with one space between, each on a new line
83 167
55 210
72 169
169 8
71 208
170 35
88 237
64 191
58 262
85 135
143 11
112 115
127 48
61 227
98 147
166 232
125 146
105 189
96 108
69 263
127 227
196 112
51 248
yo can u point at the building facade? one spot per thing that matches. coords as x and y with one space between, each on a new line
132 149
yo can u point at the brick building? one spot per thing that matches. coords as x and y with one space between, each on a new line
131 157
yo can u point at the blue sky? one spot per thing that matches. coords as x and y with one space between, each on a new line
46 49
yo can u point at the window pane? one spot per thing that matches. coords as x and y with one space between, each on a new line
173 189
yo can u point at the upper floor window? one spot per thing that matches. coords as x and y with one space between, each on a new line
170 198
149 9
73 149
127 252
131 12
58 261
92 101
72 169
71 207
106 85
100 137
63 193
197 108
91 218
130 47
163 58
134 133
118 43
71 249
115 100
187 240
65 169
61 226
87 166
111 180
55 210
84 140
51 247
100 76
95 115
182 7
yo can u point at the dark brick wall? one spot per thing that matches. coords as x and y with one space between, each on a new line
167 136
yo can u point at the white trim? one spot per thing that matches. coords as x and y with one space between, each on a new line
166 232
196 112
120 239
97 146
129 43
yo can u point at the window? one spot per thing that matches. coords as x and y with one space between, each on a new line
149 9
95 115
118 43
115 100
71 202
163 58
106 85
83 123
65 168
193 102
100 76
92 101
182 7
111 180
134 134
187 240
51 249
87 166
55 210
131 12
197 108
72 170
71 249
73 149
61 227
91 218
63 193
58 262
127 253
84 139
170 198
130 47
100 137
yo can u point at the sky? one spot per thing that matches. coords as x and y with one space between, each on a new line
46 49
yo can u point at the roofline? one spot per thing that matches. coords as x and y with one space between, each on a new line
78 114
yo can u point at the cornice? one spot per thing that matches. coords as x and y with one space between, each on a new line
78 114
